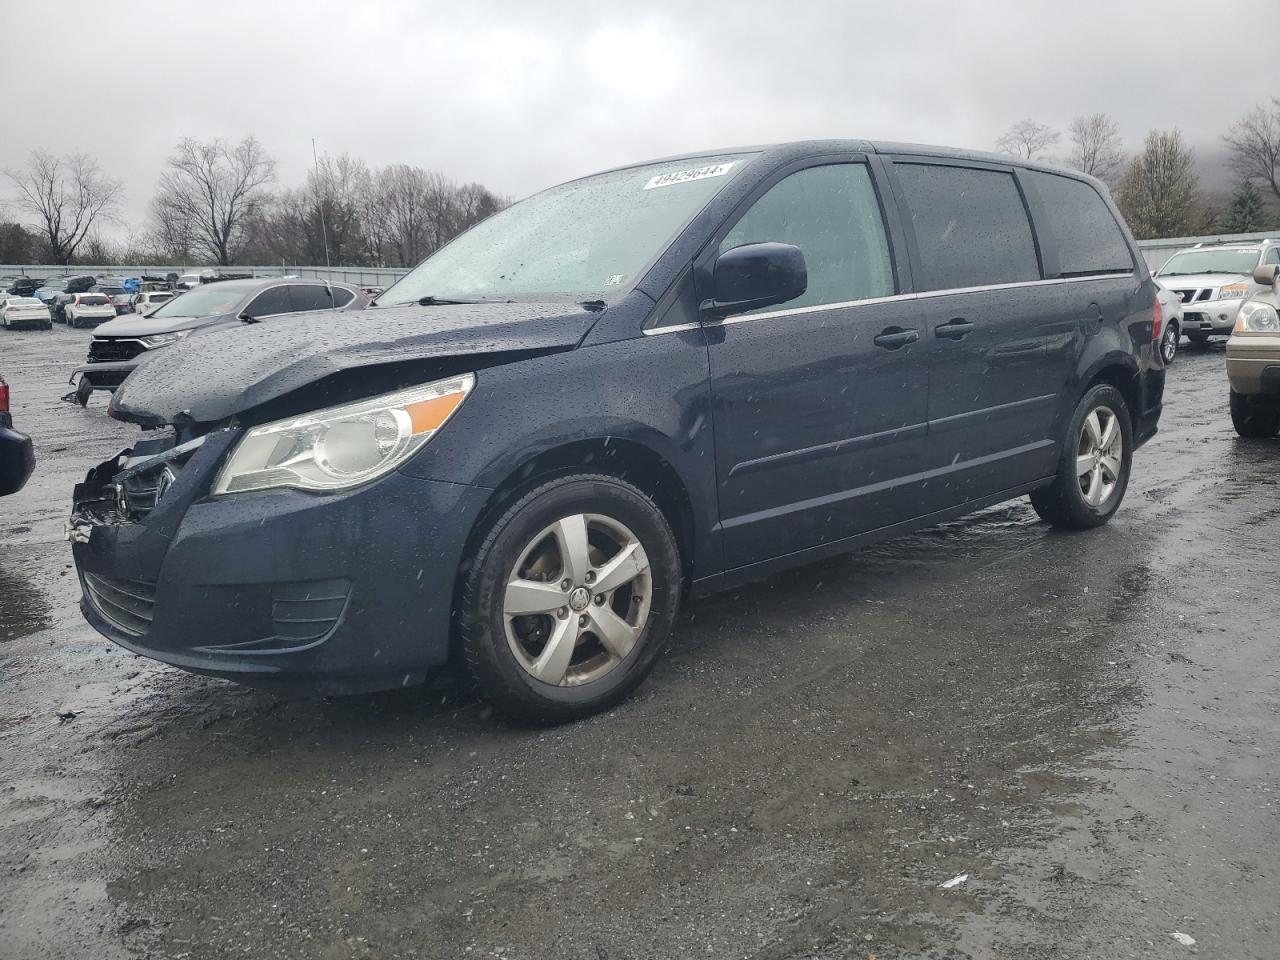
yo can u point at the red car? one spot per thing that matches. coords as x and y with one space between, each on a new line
17 457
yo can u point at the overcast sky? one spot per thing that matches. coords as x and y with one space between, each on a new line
520 95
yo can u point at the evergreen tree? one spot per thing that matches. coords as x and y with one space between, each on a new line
1246 213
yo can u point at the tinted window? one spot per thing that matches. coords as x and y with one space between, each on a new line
1087 236
831 214
270 301
310 297
971 227
341 296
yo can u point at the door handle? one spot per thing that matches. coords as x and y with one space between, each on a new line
953 329
891 338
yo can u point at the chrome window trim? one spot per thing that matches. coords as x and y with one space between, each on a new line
924 295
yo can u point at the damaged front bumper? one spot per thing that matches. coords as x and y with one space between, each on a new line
104 375
333 593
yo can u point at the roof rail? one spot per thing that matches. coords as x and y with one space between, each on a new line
1222 242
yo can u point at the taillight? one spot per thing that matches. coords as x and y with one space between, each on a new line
1157 319
4 397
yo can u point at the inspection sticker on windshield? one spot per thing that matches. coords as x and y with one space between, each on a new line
684 176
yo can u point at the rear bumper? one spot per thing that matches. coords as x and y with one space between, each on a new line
31 321
337 593
17 460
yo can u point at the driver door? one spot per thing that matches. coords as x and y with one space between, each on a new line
820 404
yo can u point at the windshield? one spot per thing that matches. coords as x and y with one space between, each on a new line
206 301
94 301
1210 261
591 236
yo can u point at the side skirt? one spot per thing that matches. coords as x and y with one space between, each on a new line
756 571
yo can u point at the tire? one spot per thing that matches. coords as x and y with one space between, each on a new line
1169 344
523 545
1255 417
84 390
1081 501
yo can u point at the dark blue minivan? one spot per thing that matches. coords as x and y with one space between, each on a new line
665 379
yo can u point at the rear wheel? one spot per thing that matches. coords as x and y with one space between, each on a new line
1255 417
1093 470
1169 343
570 599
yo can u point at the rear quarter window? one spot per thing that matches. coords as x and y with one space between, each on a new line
1085 233
971 227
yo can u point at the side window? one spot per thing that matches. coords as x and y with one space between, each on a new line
269 302
1087 236
341 296
1273 255
310 297
832 215
971 227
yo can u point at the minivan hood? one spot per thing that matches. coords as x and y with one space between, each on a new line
1201 280
136 325
215 375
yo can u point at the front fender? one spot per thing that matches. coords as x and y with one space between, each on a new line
650 391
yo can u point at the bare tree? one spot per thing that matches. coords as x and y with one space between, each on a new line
401 207
1159 194
1095 146
67 196
1254 145
337 189
211 190
1027 140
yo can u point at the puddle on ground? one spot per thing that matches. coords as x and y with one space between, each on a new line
23 607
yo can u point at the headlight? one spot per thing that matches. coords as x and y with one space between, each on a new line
1258 317
345 446
1233 291
163 339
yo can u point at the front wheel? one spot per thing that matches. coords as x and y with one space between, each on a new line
1093 468
84 389
570 599
1169 343
1255 417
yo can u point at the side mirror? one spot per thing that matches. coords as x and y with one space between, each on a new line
756 275
1266 274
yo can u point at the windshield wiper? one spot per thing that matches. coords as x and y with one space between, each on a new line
430 301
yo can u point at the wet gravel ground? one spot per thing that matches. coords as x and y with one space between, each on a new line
1081 726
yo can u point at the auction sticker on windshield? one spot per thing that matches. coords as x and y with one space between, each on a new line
684 176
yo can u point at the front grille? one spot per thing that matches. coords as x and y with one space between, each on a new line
127 604
1205 295
1184 295
114 348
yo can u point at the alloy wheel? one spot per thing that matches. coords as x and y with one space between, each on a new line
1099 456
577 599
1169 345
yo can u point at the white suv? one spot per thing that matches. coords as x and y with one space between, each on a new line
89 310
1212 280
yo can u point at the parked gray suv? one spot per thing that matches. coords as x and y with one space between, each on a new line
1212 281
119 345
